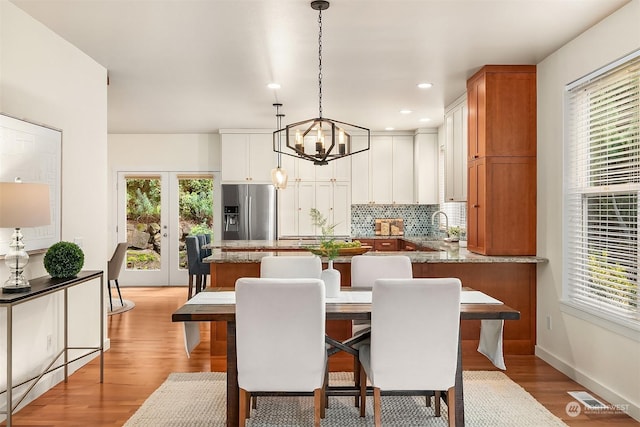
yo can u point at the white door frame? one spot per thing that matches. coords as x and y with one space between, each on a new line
169 273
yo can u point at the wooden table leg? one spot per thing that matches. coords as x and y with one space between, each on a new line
458 385
233 391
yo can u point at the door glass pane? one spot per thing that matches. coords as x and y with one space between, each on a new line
196 210
143 223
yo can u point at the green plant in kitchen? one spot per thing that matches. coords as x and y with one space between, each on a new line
454 231
328 245
63 260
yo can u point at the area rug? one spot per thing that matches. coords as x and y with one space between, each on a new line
121 308
198 400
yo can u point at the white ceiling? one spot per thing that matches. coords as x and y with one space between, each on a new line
196 66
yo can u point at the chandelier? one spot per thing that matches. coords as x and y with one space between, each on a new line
278 175
319 140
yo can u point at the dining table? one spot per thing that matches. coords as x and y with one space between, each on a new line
354 304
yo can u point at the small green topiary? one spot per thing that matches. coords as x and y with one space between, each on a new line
63 260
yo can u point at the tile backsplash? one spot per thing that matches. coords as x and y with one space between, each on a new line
417 218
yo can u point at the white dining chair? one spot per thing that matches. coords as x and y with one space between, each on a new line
291 267
401 354
365 269
269 314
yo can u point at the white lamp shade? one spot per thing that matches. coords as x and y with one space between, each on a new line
24 205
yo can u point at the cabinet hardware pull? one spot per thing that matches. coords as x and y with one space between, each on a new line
475 206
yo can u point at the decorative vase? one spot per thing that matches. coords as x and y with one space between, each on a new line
331 279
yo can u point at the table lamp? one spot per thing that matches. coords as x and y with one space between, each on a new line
21 205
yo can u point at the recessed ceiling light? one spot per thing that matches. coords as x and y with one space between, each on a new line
425 119
425 85
273 86
389 128
406 111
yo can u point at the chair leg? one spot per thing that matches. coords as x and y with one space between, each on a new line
437 397
119 294
198 282
324 388
451 406
318 406
363 391
356 378
377 407
244 396
254 402
110 300
190 293
427 401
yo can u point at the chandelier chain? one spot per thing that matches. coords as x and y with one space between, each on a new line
320 63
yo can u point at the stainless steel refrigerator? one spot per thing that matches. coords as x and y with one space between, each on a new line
248 212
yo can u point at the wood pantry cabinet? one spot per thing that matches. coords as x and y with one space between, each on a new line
501 216
501 103
501 200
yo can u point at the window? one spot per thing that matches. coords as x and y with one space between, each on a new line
602 184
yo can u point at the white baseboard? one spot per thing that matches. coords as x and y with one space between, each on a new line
586 381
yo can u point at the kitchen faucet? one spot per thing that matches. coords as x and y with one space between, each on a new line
446 220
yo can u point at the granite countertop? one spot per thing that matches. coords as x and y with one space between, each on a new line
247 251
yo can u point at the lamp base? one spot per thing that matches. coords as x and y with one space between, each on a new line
16 289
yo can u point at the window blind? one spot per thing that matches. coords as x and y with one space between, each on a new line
602 184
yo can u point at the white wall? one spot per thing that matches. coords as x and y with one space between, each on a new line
159 153
604 361
44 79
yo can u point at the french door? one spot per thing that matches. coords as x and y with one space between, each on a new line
156 210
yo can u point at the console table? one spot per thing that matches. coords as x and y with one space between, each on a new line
40 287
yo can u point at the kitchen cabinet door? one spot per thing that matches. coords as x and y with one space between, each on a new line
247 158
341 209
306 201
502 206
261 158
425 154
288 210
234 155
455 184
360 183
381 172
502 111
333 200
476 208
294 207
402 170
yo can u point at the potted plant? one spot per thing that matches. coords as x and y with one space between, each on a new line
63 260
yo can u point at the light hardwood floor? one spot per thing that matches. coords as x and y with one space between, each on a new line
146 346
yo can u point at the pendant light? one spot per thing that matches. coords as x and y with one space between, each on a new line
278 175
320 140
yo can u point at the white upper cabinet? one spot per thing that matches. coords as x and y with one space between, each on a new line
402 191
455 130
247 157
385 173
381 171
426 167
359 171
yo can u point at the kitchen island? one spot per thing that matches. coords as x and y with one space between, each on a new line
511 279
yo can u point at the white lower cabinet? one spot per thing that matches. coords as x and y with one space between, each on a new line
334 202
